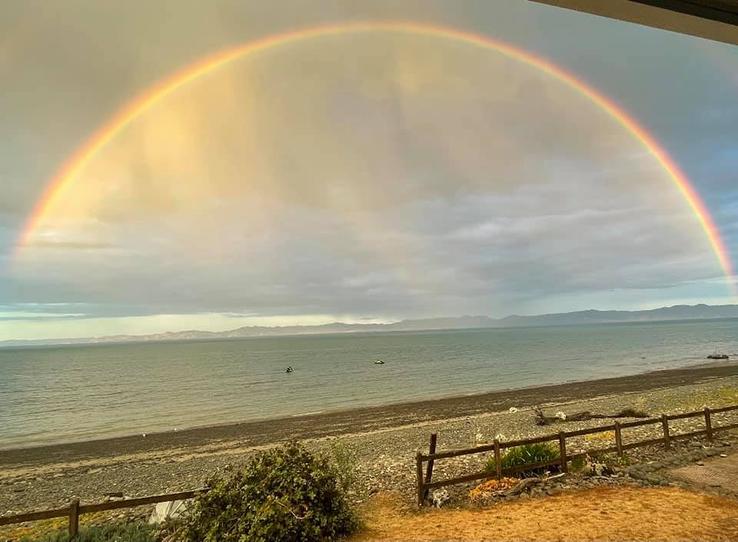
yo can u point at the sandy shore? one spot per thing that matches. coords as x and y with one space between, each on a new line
384 439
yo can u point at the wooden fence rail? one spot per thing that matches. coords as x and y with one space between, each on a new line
75 509
425 483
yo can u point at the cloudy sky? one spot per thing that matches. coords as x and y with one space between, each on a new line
360 176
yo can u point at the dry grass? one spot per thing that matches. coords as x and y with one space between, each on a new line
605 514
33 529
722 396
603 439
48 527
490 487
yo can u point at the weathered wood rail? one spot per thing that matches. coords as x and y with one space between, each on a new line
425 481
74 510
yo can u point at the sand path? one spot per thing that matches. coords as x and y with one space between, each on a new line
605 514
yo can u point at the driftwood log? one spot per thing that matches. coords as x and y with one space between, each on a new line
542 419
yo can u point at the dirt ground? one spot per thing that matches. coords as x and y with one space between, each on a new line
605 514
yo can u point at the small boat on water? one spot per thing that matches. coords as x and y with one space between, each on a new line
289 369
718 356
379 362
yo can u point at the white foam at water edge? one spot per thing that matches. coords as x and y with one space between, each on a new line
308 413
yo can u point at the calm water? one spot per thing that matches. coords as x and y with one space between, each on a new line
58 394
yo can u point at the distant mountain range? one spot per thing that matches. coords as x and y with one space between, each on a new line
676 312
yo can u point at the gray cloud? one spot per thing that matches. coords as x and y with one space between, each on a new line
372 176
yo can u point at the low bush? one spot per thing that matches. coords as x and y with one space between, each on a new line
579 463
283 494
344 462
527 454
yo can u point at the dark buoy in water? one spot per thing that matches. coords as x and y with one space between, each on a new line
289 369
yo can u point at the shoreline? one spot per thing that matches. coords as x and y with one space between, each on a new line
364 419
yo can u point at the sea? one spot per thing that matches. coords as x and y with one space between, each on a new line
57 394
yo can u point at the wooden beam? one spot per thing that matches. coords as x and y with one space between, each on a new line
618 439
35 516
419 474
710 19
708 423
73 519
429 467
665 427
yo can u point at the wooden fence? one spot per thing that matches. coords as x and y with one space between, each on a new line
75 509
425 482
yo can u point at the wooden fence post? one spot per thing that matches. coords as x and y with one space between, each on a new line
421 485
618 439
562 452
708 423
665 425
73 519
429 468
498 459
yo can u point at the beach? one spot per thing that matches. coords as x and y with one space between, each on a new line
383 439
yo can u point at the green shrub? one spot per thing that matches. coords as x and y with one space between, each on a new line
114 532
578 463
284 494
527 454
344 463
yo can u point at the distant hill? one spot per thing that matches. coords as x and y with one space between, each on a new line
676 312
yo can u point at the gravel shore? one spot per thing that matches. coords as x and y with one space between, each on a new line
383 440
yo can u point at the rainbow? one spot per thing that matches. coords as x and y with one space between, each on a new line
76 163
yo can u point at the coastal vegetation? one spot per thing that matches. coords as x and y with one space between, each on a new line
112 532
345 465
526 455
287 493
283 494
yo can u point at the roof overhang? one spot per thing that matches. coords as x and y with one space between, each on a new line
711 19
